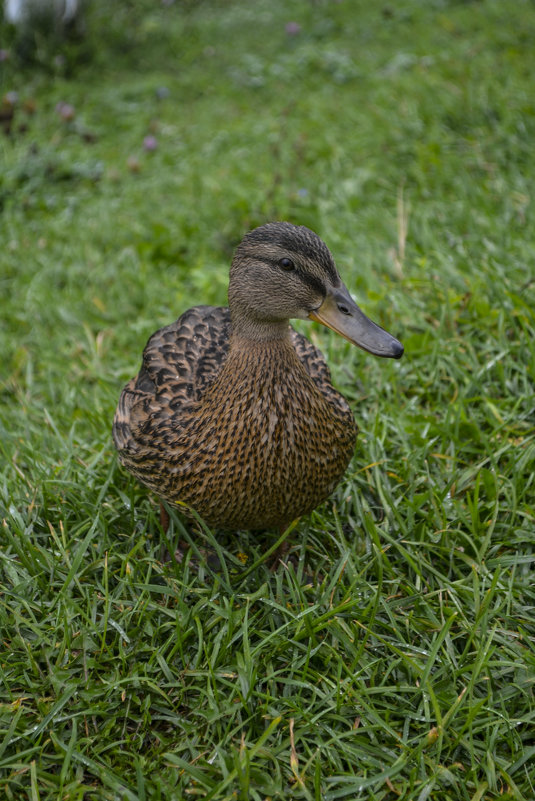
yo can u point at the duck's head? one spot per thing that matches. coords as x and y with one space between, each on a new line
281 272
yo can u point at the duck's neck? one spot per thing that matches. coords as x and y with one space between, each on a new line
247 332
258 361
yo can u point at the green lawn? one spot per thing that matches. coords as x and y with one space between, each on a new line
393 656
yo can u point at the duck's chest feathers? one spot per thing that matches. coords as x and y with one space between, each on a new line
263 444
269 401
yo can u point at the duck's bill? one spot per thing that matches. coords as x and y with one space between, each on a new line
340 313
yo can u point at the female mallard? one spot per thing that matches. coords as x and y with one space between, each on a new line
233 412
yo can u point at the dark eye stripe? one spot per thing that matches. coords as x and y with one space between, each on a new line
313 282
298 240
307 278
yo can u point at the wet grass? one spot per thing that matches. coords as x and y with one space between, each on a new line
392 657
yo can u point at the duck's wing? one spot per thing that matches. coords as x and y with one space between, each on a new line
179 362
311 357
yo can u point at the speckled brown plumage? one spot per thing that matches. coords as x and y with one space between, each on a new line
237 417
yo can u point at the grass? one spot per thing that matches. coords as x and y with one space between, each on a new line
394 657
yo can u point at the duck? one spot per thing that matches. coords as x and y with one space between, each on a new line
233 413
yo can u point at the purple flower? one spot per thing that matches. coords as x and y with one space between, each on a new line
150 143
292 28
66 111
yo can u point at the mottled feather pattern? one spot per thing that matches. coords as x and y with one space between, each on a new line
233 412
252 438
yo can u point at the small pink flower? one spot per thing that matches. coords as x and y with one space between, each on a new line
150 143
66 111
293 28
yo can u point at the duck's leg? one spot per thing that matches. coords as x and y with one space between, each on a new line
164 518
281 551
182 546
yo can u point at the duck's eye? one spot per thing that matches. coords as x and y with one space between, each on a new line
287 265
